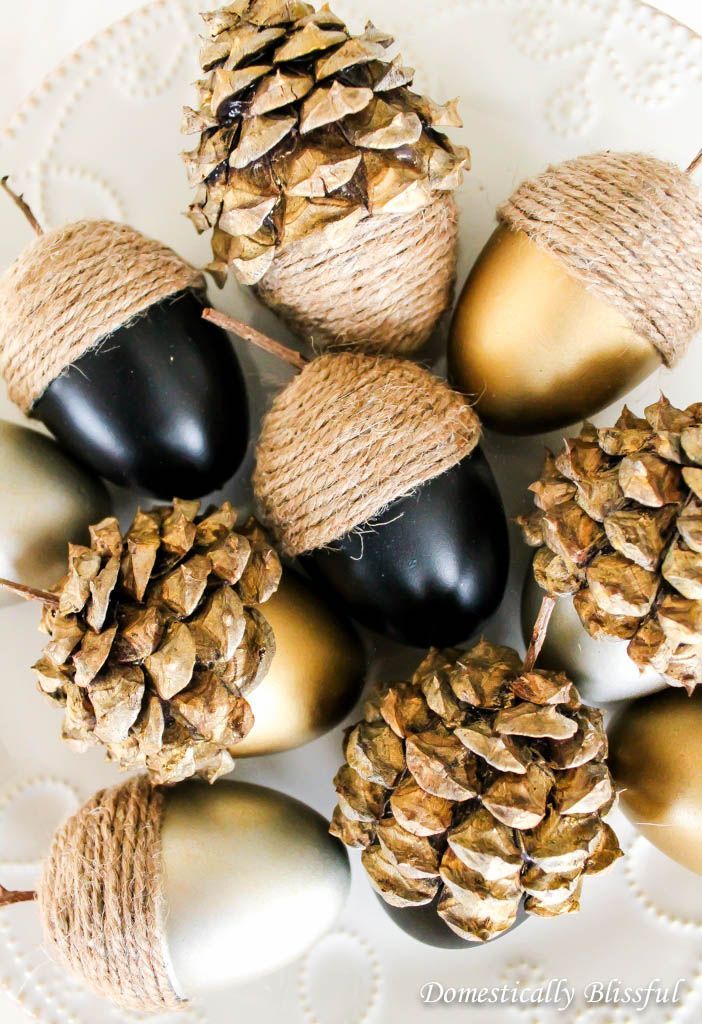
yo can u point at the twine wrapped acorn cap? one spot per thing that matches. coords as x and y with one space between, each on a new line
325 178
629 227
384 289
73 287
101 898
351 434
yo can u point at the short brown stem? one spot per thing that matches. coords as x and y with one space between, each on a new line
30 593
8 896
254 337
18 200
539 634
696 163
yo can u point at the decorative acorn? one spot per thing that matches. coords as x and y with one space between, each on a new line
185 890
45 501
368 469
158 640
313 682
592 281
101 339
602 669
325 179
618 527
655 758
477 792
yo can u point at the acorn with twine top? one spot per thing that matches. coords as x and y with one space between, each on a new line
618 528
327 182
592 280
368 470
91 315
146 892
159 638
477 792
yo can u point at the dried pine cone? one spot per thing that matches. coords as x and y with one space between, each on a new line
477 786
157 639
306 130
618 524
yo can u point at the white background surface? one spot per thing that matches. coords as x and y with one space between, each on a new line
641 919
37 34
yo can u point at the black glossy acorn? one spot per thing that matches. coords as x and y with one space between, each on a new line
160 406
425 925
368 471
102 339
433 569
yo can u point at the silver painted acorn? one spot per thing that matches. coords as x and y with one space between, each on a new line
46 500
185 890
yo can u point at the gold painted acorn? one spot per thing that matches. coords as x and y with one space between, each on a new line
655 759
325 179
316 674
592 280
475 788
160 636
618 527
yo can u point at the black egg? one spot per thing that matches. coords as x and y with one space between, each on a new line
433 568
160 405
425 925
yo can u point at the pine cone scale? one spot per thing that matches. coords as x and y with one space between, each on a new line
634 567
478 786
297 106
153 634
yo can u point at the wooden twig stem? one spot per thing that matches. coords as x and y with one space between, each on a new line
696 163
18 200
8 896
254 337
30 593
539 634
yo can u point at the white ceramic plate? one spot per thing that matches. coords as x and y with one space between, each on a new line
540 80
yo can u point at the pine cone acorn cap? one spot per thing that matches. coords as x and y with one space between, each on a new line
618 525
158 638
305 130
476 787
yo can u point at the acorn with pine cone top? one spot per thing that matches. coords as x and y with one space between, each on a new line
478 787
618 527
327 182
156 639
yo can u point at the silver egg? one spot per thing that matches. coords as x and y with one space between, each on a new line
601 669
46 500
252 879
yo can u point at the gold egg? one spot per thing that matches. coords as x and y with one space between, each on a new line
655 760
251 880
316 675
534 348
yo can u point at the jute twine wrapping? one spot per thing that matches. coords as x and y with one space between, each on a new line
384 290
349 435
73 287
100 896
629 226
